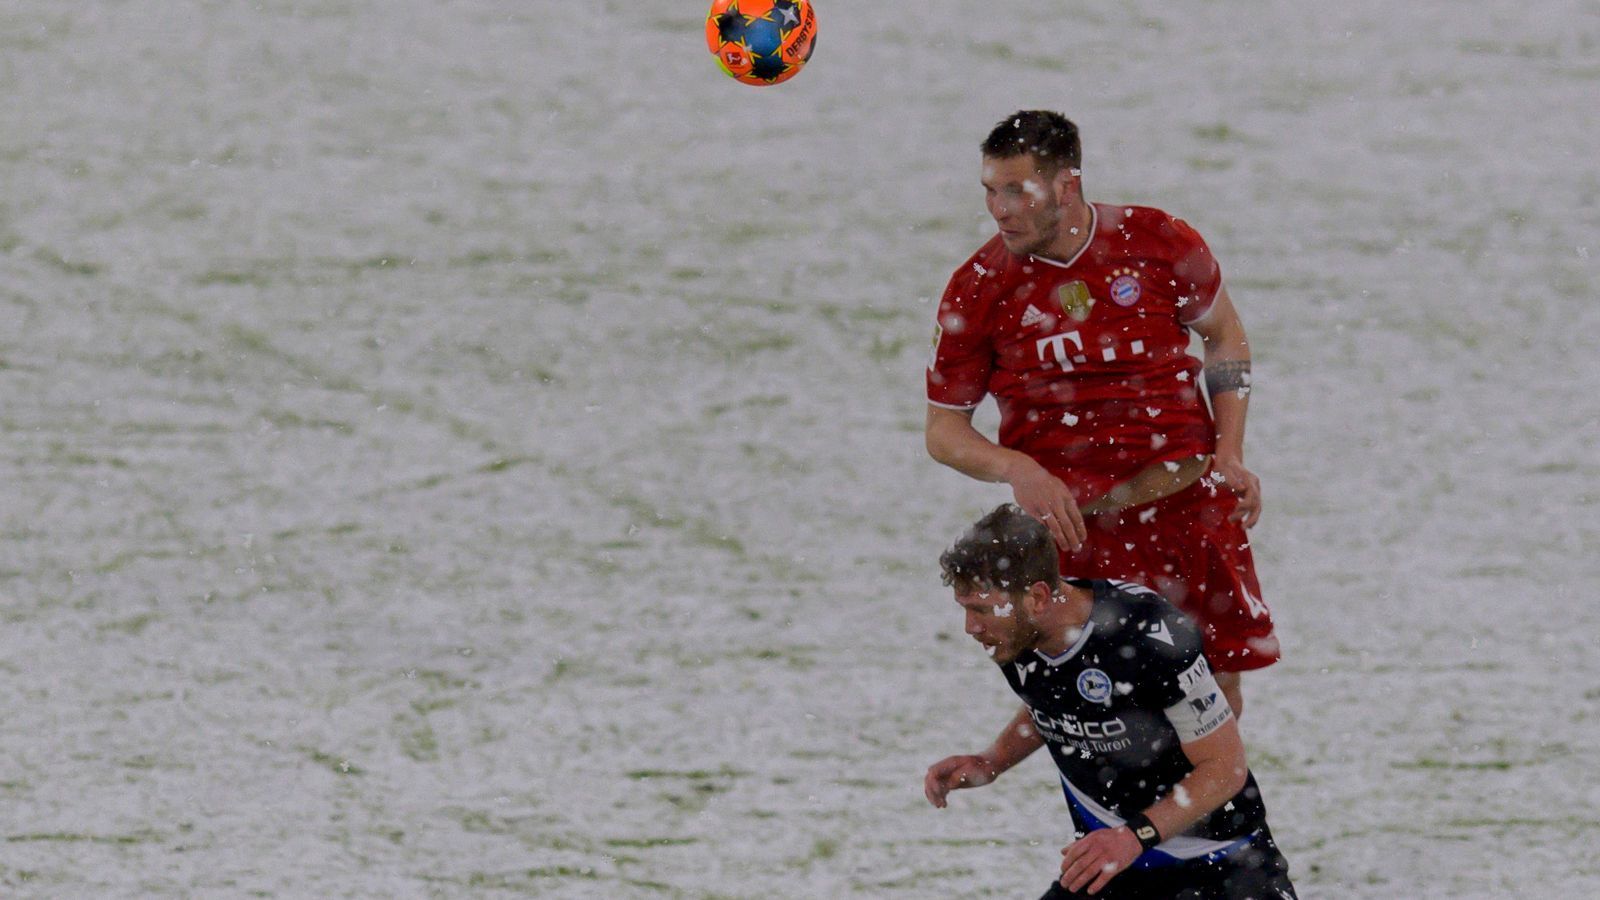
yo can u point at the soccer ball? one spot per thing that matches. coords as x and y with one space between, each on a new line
761 41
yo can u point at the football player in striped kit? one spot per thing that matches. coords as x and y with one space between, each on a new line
1114 685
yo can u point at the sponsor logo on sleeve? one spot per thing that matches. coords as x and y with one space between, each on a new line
1194 674
1210 713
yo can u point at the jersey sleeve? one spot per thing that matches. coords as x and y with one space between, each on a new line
1195 270
1202 709
1173 662
958 371
1177 679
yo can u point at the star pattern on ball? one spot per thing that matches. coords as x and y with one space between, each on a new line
761 41
789 12
731 24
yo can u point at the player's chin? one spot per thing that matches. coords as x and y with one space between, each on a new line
1003 654
1017 243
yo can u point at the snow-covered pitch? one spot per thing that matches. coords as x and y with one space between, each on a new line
474 448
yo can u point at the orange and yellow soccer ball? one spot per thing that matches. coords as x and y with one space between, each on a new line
761 41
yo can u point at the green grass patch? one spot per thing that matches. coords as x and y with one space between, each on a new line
338 765
919 878
133 626
230 278
1489 765
688 774
647 843
71 837
67 266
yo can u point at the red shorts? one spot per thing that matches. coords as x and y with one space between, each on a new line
1184 547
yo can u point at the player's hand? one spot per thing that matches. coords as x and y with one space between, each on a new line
1234 476
1046 498
1094 859
953 773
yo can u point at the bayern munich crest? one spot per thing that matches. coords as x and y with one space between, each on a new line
1095 686
1125 288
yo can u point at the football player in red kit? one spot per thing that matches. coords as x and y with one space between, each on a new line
1076 317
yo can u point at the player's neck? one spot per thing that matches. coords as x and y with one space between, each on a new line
1061 622
1077 230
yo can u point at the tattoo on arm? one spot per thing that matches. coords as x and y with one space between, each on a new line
1228 375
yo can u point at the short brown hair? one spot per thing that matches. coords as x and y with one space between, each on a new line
1007 550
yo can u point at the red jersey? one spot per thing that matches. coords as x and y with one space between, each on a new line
1088 359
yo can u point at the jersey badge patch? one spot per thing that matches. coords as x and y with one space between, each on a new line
933 355
1095 686
1125 288
1075 300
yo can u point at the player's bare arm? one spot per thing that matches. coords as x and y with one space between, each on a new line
1227 377
953 441
1160 480
1220 771
1016 742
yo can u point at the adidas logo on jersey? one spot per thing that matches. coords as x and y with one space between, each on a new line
1032 316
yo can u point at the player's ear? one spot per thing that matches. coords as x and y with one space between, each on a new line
1062 183
1037 598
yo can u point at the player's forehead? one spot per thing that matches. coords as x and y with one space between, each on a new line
1010 170
998 171
979 596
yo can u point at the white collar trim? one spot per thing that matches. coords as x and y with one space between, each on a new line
1094 226
1070 652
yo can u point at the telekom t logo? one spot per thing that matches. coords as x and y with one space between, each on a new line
1054 349
1057 345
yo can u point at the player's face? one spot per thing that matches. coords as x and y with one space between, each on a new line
998 621
1025 203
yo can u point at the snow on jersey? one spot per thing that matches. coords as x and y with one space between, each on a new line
1087 359
1115 708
